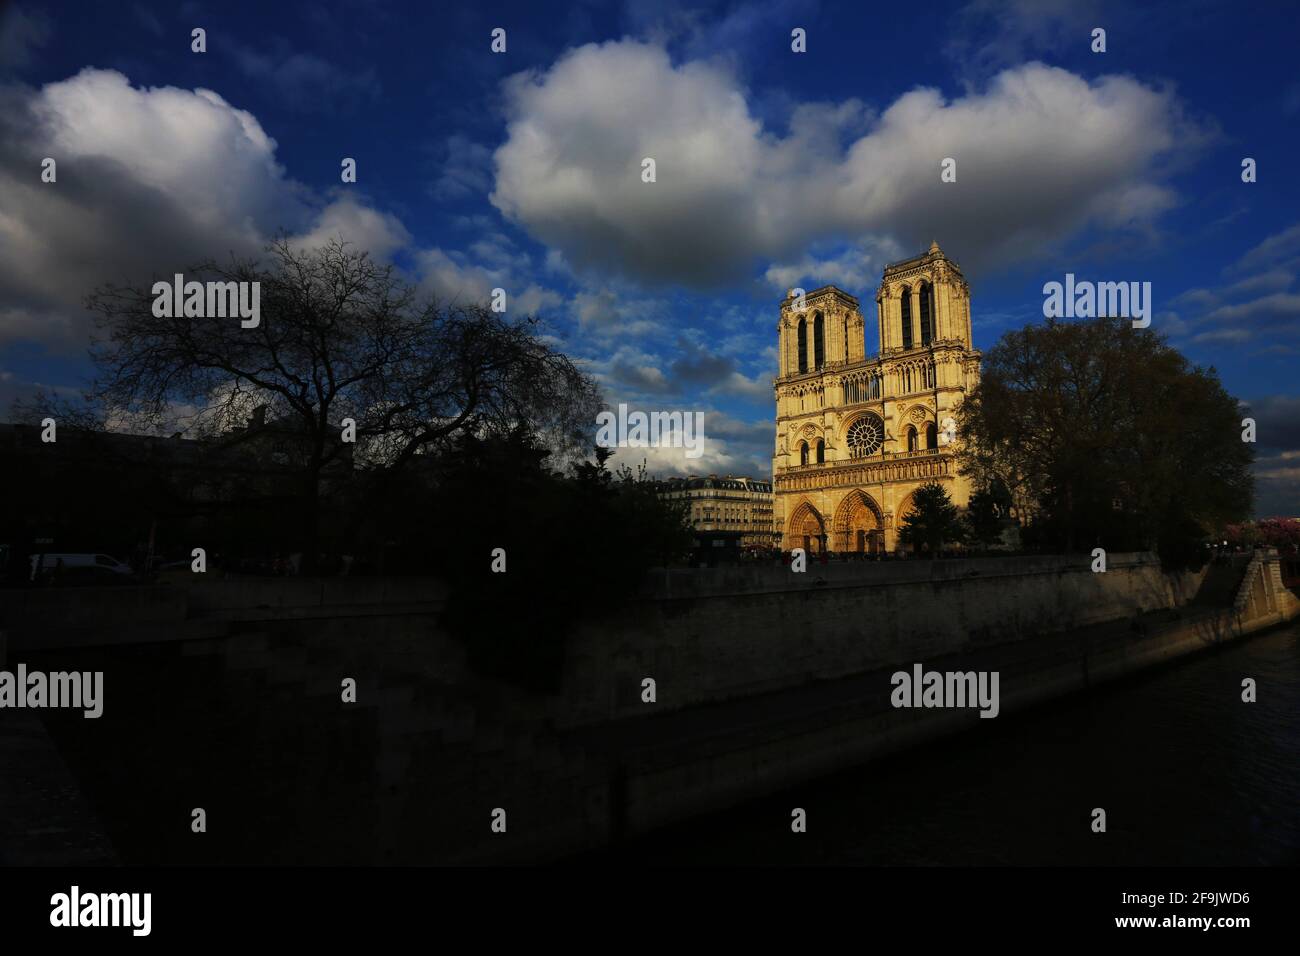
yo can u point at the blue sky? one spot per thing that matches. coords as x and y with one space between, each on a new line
521 170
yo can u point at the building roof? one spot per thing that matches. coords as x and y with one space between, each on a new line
933 252
730 482
832 290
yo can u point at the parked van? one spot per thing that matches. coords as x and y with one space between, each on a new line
79 568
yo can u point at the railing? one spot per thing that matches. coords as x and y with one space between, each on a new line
919 453
859 460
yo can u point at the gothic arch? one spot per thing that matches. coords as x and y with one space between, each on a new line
905 294
859 524
904 509
927 312
806 529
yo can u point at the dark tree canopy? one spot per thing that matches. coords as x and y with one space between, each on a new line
987 514
572 546
340 337
1104 435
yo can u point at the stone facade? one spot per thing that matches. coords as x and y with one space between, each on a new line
734 504
856 436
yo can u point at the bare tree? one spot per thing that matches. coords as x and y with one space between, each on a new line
340 336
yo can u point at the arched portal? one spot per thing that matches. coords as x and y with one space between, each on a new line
807 530
859 524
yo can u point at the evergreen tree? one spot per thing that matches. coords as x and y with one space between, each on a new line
933 520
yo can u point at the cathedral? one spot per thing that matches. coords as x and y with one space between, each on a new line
856 436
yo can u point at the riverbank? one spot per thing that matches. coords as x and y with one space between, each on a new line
1189 775
236 706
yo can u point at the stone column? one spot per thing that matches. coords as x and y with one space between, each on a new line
882 322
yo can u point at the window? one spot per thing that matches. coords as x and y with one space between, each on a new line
907 317
803 453
865 436
803 346
931 436
821 452
927 313
911 438
819 344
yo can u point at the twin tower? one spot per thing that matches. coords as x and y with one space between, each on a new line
856 436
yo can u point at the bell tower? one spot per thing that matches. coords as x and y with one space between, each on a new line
922 302
857 435
818 330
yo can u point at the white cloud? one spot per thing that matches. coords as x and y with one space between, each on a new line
378 232
149 180
453 277
154 180
1041 154
856 268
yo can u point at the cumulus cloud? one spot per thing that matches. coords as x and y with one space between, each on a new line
725 446
147 181
856 268
378 232
607 314
1041 154
452 276
153 180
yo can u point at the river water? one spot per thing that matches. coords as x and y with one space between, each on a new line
1187 773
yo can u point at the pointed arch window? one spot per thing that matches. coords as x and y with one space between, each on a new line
819 341
907 317
927 313
803 346
803 453
911 438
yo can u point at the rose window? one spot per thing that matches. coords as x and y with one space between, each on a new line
866 436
